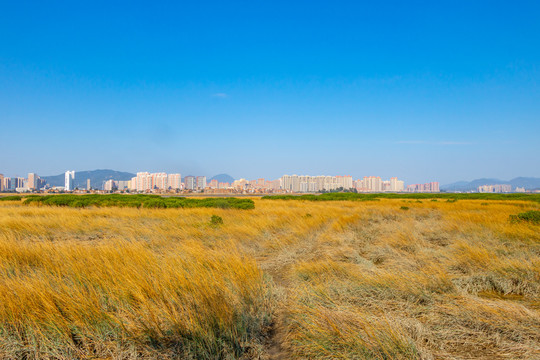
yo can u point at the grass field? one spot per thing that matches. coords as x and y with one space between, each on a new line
385 279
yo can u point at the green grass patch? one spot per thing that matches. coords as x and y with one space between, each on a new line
11 198
216 220
531 216
138 201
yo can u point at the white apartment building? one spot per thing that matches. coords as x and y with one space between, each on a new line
190 182
201 182
33 181
69 180
160 181
306 183
109 185
145 181
396 185
174 181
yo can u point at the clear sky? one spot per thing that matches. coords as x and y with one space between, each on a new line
424 91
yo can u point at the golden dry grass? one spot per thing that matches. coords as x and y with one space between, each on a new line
289 279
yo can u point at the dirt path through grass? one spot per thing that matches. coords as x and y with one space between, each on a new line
278 264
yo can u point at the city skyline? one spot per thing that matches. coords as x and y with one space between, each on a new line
427 92
161 182
21 176
145 182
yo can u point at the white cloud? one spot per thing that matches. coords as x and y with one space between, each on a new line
220 95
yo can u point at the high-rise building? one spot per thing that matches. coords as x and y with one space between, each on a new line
393 184
88 187
109 185
2 182
295 182
41 183
122 184
190 182
33 181
69 180
160 181
19 182
8 184
142 182
133 185
434 187
345 182
396 185
201 182
174 181
15 183
286 182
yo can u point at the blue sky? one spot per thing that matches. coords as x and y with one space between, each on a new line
420 90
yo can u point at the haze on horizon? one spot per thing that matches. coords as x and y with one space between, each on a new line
423 91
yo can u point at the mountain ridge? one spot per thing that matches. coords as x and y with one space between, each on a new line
529 183
226 178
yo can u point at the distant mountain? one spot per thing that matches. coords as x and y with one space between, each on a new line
471 185
97 178
529 183
223 178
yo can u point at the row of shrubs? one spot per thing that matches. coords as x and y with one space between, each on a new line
11 198
367 197
136 201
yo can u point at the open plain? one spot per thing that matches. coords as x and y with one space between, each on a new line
289 279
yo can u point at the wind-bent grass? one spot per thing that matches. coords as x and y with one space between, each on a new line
323 280
105 285
127 294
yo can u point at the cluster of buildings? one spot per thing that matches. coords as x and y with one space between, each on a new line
376 184
259 185
424 188
157 182
145 182
11 184
306 183
498 188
